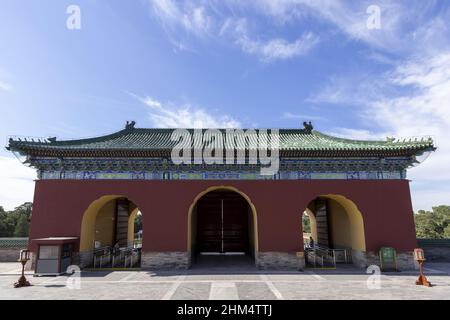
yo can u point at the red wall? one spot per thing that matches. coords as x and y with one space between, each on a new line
385 205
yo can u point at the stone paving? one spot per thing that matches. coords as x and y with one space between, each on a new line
227 283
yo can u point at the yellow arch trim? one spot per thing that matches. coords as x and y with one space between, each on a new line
247 198
356 220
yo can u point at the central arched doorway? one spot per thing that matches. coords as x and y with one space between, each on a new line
222 228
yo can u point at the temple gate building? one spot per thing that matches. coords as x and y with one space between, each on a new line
355 193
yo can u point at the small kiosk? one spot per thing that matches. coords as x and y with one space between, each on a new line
54 255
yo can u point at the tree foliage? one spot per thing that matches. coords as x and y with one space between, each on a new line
138 223
16 223
306 223
433 224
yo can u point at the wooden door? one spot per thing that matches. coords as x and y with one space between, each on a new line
222 223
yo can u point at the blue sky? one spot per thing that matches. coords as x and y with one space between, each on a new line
265 63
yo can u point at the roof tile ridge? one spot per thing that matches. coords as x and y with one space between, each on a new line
93 139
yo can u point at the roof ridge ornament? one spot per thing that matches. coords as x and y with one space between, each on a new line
390 139
130 125
307 127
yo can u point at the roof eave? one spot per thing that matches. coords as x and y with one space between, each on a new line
34 151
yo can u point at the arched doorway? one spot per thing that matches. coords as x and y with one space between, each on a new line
222 226
337 229
309 228
110 228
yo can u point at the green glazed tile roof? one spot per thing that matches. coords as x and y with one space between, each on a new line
156 142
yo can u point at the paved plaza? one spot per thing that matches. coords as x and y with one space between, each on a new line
227 283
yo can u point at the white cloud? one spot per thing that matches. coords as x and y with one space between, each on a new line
181 21
397 31
190 15
168 115
17 184
351 17
267 50
424 111
404 25
278 48
208 20
5 86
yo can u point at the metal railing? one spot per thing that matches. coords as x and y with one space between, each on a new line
320 257
434 243
13 243
132 258
342 255
102 256
108 257
323 257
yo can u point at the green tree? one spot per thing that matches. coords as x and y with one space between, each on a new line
7 223
447 232
15 223
433 224
4 230
24 209
22 226
306 223
138 223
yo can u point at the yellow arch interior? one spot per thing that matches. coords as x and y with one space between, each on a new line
97 213
346 222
